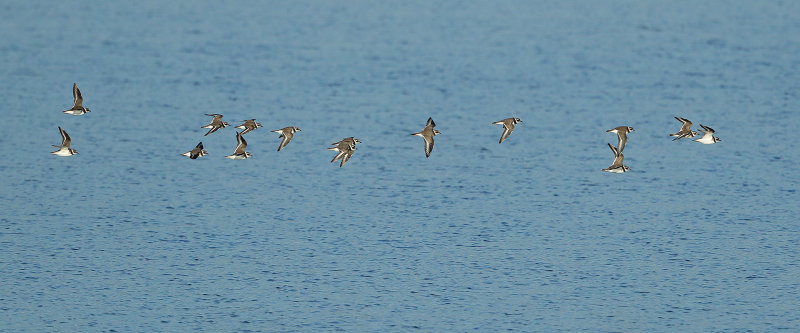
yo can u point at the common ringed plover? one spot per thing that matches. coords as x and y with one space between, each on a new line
617 166
287 133
622 135
198 151
216 123
64 149
685 131
508 126
708 136
77 102
248 126
428 133
344 143
345 149
239 153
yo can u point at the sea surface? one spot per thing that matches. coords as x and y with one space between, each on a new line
528 235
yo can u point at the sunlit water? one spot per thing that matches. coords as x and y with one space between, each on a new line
529 235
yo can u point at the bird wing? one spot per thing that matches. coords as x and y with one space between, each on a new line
618 157
339 155
214 128
430 123
77 98
428 145
65 139
686 124
707 129
622 140
241 144
346 157
287 136
507 129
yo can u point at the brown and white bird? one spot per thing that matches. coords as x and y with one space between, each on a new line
239 153
622 135
287 133
77 102
344 143
248 126
64 149
428 133
345 149
685 131
216 123
616 166
198 151
708 136
508 126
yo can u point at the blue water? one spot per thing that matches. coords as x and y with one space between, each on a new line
529 235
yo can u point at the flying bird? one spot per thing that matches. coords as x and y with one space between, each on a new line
248 126
216 123
239 153
198 151
616 166
708 136
287 133
77 102
622 135
508 126
428 133
685 131
344 149
64 149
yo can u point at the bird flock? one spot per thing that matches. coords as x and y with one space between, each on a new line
685 132
346 147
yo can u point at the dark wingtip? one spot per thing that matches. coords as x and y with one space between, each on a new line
430 122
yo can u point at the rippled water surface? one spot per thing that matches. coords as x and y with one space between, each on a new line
528 235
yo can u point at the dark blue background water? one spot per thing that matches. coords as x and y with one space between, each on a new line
529 235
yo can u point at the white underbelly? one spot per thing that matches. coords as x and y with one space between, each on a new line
62 152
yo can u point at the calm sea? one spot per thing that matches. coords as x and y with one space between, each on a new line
528 235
